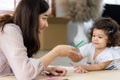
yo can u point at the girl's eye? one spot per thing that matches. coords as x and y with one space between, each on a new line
100 37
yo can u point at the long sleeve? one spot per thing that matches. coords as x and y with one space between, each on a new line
11 44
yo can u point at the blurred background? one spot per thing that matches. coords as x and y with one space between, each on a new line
69 23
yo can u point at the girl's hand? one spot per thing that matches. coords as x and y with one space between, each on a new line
80 69
64 50
57 71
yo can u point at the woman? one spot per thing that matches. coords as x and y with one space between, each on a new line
19 41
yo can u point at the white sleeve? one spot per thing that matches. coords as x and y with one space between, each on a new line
11 43
85 50
108 54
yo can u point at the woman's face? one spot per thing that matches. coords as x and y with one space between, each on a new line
99 38
43 23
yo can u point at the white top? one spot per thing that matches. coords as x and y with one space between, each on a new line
88 50
13 55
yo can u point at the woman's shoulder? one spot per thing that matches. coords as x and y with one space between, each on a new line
11 27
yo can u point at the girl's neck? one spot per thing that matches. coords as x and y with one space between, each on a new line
98 51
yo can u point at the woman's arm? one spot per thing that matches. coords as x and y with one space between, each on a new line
12 46
24 68
60 50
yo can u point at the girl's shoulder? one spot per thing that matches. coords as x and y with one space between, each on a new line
113 49
110 54
88 45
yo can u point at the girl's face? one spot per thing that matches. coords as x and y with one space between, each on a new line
43 23
99 38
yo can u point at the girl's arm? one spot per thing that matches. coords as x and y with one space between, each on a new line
97 67
93 67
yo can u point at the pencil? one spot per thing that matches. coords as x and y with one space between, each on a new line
77 45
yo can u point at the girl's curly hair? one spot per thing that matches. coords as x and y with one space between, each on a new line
111 28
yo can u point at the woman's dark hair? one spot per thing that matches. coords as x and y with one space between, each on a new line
26 16
111 28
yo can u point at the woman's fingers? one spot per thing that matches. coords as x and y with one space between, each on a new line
58 71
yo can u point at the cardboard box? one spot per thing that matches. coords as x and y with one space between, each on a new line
55 34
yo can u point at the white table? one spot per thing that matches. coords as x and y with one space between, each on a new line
94 75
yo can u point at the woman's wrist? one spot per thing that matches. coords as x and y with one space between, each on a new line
55 53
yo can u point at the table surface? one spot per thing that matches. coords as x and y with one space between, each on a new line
94 75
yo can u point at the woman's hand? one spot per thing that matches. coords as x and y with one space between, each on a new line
64 50
56 71
75 57
80 69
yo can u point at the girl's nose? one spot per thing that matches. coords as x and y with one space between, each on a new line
95 38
